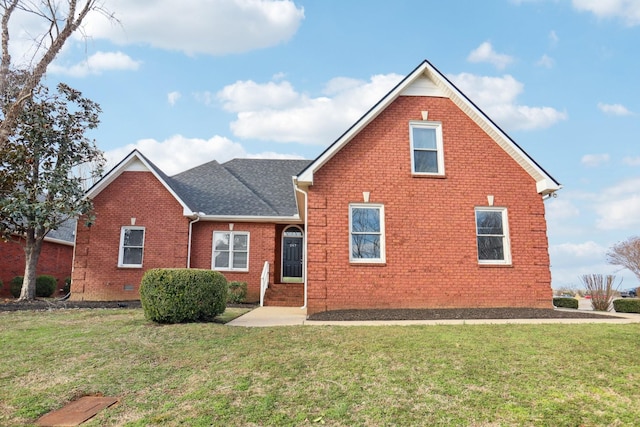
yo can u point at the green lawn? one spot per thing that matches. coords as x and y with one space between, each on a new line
209 374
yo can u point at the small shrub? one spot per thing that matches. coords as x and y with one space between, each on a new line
237 292
16 286
45 286
565 302
177 295
601 289
630 305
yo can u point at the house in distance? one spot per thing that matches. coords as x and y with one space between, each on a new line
423 203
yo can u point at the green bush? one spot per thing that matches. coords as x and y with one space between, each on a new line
176 295
565 302
237 292
16 286
45 286
627 305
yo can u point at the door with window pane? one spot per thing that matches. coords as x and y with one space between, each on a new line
292 252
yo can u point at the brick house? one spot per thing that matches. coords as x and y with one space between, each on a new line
56 257
423 202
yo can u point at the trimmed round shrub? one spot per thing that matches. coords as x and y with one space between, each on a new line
16 286
627 305
565 302
45 286
237 292
178 295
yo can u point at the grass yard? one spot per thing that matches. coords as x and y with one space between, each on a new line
209 374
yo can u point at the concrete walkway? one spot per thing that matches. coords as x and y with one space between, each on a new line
289 316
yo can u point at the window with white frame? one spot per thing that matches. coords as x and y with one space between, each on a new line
492 231
366 226
427 154
131 247
230 250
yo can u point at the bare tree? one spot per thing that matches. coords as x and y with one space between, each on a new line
601 289
62 19
626 254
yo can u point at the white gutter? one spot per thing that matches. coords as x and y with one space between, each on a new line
197 215
249 218
306 239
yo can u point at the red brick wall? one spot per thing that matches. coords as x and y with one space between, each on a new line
262 239
55 260
96 275
431 255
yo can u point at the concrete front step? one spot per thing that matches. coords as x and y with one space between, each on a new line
284 295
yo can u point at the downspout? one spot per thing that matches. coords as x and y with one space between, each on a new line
197 215
306 239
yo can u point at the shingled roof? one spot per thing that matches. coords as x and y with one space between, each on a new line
240 187
252 188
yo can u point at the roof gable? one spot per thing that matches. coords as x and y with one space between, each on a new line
136 162
426 80
249 189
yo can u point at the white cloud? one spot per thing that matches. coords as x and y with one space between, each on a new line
485 53
589 250
560 209
553 38
614 109
594 160
275 111
173 97
546 62
179 153
96 64
619 206
631 161
249 95
215 27
627 10
497 97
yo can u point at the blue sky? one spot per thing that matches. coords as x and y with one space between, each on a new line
191 81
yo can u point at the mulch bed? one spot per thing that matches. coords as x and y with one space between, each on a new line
455 313
340 315
39 304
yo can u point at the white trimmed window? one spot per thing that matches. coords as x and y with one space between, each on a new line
492 232
366 229
131 247
427 154
230 251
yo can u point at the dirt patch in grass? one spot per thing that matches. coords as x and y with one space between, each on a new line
455 313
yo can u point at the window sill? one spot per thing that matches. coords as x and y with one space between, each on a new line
427 175
495 265
129 266
231 271
368 264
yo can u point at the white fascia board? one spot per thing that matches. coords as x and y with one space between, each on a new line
307 176
59 241
252 218
544 182
136 163
425 80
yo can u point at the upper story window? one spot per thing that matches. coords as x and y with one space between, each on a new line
231 250
366 224
131 247
492 231
427 154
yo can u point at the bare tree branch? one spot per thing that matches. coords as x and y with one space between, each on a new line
61 27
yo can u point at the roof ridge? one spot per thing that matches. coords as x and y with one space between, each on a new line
254 192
